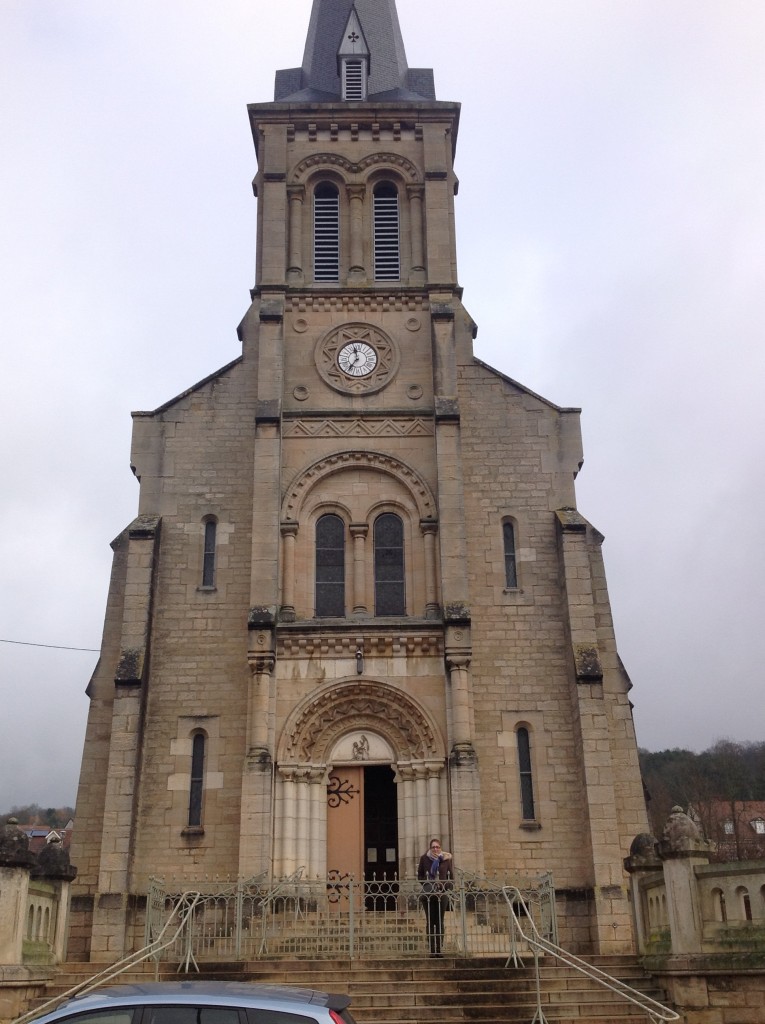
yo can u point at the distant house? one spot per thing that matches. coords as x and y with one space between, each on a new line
41 835
736 826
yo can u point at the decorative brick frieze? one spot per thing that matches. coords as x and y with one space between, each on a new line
372 641
412 426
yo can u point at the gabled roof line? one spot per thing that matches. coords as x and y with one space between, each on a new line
189 391
528 391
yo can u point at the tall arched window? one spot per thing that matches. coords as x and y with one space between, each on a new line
197 781
387 255
330 567
390 590
208 557
511 567
326 233
525 772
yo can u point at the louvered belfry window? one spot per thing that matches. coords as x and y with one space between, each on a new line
326 233
353 80
386 233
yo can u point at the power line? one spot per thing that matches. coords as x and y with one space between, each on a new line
54 647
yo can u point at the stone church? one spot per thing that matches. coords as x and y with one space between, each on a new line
358 607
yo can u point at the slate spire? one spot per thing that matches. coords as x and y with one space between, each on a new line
319 79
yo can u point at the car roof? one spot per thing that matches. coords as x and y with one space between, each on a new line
220 993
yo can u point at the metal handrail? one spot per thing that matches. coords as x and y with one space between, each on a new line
186 902
655 1011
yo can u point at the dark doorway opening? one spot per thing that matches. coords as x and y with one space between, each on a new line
380 837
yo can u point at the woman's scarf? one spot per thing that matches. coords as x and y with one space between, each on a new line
435 864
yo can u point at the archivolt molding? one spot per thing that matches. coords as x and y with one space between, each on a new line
335 160
339 461
315 726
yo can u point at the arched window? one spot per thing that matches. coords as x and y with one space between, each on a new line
390 589
745 902
525 774
721 911
196 787
208 556
330 567
387 256
326 233
511 567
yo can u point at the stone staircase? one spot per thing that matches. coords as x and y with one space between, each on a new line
421 990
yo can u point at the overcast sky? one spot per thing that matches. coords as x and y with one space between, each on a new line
611 226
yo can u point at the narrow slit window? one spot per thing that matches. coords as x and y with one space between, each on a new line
208 558
326 233
197 779
511 566
390 589
354 80
526 778
387 255
330 567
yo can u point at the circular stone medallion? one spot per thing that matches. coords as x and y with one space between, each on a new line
357 359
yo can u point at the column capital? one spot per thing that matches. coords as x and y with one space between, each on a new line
261 663
289 529
415 191
429 527
359 529
356 191
296 192
458 660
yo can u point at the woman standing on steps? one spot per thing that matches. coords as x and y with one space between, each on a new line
435 871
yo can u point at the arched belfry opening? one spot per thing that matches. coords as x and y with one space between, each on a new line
361 777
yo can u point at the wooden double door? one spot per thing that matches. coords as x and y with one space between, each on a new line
362 823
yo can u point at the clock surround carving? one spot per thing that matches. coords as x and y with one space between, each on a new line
331 351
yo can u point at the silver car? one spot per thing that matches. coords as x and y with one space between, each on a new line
202 1002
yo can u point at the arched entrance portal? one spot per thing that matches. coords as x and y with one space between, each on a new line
361 783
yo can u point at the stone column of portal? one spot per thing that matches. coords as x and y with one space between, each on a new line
303 822
296 196
318 795
255 822
407 832
429 529
416 195
421 804
359 533
434 803
289 540
289 823
356 198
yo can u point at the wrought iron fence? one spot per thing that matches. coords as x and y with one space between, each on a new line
341 917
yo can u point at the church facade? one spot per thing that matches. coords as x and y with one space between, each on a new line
358 607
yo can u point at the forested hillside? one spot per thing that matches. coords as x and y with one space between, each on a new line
727 774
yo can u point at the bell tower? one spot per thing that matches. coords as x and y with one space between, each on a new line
353 338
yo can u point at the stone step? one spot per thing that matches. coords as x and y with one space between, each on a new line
418 990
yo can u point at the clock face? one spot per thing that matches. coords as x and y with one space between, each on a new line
357 359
